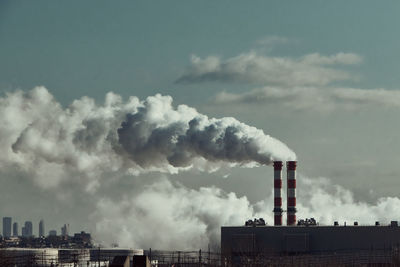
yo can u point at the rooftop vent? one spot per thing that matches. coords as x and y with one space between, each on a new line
255 222
307 222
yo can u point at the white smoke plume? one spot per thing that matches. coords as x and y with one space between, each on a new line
88 141
87 147
96 148
169 215
327 202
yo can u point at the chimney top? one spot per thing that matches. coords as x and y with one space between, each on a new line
278 165
291 165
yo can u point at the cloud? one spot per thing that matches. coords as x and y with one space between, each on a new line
313 98
273 40
313 69
379 96
339 58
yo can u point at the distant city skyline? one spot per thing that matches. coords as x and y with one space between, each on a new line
10 228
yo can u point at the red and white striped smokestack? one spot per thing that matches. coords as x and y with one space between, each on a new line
291 192
277 192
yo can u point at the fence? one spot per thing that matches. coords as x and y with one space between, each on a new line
49 257
161 258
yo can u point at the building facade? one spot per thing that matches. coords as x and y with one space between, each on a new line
15 229
65 230
52 233
7 227
27 230
247 242
41 228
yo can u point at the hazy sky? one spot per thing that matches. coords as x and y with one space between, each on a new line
321 76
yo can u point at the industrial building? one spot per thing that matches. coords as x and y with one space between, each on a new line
239 243
307 239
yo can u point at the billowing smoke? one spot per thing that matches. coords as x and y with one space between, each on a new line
88 140
192 218
168 215
329 202
90 148
158 136
116 152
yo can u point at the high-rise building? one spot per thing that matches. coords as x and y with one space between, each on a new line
15 229
52 233
41 228
23 231
28 229
6 226
65 230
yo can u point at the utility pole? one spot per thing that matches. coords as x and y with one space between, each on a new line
99 256
200 257
209 254
150 255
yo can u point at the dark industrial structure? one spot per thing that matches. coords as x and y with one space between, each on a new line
305 238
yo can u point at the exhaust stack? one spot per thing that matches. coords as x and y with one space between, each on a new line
277 192
291 192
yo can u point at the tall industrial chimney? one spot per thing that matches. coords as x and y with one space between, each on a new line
277 192
291 192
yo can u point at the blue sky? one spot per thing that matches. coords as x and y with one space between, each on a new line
140 47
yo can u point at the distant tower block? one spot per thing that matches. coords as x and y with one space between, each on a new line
7 227
291 192
41 228
277 192
15 229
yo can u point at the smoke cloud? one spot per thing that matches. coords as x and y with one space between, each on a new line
89 142
110 150
192 218
87 147
328 202
170 216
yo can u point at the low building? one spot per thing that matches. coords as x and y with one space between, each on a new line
108 254
141 261
250 242
82 239
120 261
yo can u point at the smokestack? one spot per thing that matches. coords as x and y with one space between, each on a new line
277 192
291 192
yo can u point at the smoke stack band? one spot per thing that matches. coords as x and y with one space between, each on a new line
291 192
277 193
